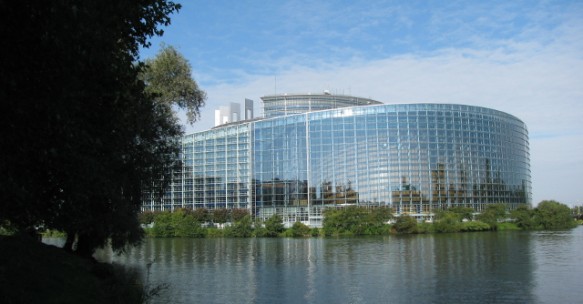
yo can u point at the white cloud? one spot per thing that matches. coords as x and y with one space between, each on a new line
535 76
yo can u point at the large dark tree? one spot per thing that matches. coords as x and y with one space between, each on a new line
82 139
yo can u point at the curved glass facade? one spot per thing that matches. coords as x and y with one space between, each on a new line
416 158
283 105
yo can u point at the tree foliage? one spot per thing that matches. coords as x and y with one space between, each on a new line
241 228
201 215
146 217
220 216
82 137
300 229
463 212
169 77
523 217
448 221
356 220
274 226
550 215
493 214
238 214
405 224
180 223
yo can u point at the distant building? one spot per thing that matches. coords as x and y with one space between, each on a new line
317 151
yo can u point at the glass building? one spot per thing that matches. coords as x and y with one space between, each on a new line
312 152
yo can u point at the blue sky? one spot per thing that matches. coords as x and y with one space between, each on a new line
521 57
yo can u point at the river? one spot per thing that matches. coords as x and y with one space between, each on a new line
481 267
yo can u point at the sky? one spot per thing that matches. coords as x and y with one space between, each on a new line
521 57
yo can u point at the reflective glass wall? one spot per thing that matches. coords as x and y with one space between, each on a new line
280 168
214 173
416 158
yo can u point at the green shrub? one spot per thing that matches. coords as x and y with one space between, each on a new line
259 231
238 214
463 212
215 233
523 217
201 215
493 214
220 216
163 225
187 226
146 217
356 220
508 226
274 226
53 233
316 232
300 230
405 224
448 222
6 228
552 215
425 227
474 226
242 228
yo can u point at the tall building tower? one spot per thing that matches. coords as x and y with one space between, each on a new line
227 114
248 109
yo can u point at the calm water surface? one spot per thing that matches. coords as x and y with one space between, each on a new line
484 267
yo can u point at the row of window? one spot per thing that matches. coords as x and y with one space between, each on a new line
381 154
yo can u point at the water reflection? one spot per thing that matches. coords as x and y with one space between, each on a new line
559 264
502 267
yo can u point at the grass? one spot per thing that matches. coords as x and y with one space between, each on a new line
508 226
32 272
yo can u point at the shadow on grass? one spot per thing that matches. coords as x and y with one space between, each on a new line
32 272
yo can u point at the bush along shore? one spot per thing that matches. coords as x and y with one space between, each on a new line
355 220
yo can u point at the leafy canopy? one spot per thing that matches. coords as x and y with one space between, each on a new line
83 139
169 77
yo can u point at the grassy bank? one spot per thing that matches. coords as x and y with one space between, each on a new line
32 272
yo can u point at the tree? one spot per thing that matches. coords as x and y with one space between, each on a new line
553 215
274 225
169 77
405 224
164 225
381 214
185 224
448 221
464 212
492 214
220 216
146 217
242 228
356 220
299 229
523 217
238 213
83 138
201 214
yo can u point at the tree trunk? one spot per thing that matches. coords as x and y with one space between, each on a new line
85 247
69 242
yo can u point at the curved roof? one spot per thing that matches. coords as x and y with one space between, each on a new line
289 104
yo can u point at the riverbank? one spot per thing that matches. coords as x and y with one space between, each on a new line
355 220
32 272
